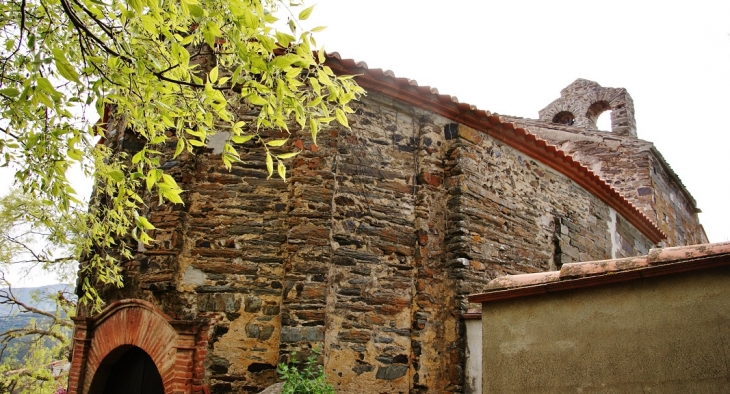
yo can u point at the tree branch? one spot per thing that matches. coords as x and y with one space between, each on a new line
79 25
10 298
101 24
21 332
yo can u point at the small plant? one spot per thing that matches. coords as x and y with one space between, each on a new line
304 379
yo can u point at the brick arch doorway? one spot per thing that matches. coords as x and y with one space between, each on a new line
127 370
176 348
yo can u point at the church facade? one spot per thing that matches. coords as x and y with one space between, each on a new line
367 253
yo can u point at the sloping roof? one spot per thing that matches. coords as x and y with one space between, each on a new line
594 273
497 127
582 130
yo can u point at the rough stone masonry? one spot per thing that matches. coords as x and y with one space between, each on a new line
368 251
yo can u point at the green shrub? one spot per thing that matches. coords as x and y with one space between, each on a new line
304 379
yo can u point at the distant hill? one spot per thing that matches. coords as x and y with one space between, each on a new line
36 297
11 318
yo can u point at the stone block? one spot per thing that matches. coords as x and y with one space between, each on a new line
391 372
298 334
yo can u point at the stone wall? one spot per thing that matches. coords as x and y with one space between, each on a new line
634 168
511 214
676 210
367 252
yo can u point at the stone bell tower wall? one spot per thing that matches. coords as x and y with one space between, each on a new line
582 102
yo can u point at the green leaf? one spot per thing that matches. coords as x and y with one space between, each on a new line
323 78
179 148
289 155
314 126
187 40
75 154
137 5
144 223
255 99
64 67
305 13
341 118
173 196
284 39
138 156
10 92
214 74
167 121
241 139
283 61
269 164
196 10
276 142
152 177
281 169
159 139
170 181
116 175
149 24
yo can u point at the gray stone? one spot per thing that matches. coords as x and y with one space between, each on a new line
391 372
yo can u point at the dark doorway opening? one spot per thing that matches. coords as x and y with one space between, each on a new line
127 370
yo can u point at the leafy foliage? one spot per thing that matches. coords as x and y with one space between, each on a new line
309 379
174 72
34 358
34 235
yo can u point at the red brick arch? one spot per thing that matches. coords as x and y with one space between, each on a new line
177 347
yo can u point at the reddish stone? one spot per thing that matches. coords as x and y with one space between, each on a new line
422 237
430 179
357 336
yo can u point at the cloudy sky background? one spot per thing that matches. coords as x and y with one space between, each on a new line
513 57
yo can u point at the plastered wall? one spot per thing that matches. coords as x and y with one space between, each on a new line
668 334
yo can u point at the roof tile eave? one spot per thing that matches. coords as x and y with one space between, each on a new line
660 261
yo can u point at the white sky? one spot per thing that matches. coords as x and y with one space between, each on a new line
513 57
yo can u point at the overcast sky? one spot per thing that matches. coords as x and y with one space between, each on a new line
513 57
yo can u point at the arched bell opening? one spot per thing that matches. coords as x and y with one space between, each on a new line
596 114
564 117
604 121
127 370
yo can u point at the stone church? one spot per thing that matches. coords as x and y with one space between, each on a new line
368 251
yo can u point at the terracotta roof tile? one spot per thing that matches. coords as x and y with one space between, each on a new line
592 273
510 281
581 270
